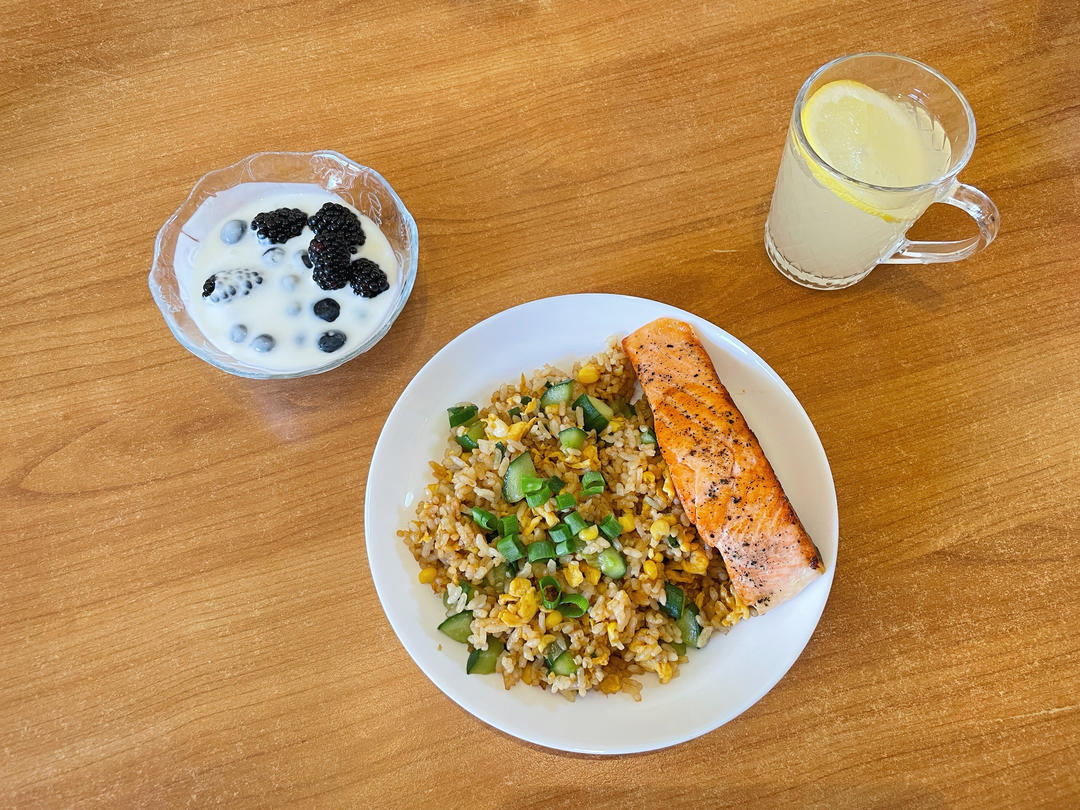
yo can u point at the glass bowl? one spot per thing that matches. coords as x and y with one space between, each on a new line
363 188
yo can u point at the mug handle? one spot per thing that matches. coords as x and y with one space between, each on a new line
979 207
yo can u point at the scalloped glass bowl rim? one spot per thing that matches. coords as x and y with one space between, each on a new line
163 263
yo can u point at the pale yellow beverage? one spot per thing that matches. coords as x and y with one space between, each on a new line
835 217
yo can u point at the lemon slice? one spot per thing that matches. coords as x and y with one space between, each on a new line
876 139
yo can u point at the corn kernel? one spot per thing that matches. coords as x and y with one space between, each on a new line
665 671
659 529
613 632
592 574
427 575
588 374
554 619
650 569
627 522
648 477
546 639
611 684
519 586
573 575
589 533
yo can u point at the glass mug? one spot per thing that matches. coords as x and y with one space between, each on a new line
827 230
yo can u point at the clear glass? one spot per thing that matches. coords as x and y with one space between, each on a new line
363 188
818 238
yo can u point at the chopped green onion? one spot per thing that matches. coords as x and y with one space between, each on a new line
576 522
525 400
612 563
467 589
500 447
530 483
678 646
508 525
515 412
566 547
511 548
560 533
647 436
539 498
541 550
688 625
673 541
549 586
591 478
675 599
484 519
573 605
460 414
610 527
565 500
555 484
513 567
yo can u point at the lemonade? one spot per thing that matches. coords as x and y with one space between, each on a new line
823 229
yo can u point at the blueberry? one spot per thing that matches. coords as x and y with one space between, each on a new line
331 341
263 343
238 333
233 231
293 308
328 309
274 255
288 283
304 260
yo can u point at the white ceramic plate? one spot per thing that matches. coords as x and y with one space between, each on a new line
721 681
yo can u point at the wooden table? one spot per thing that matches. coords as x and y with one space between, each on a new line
188 617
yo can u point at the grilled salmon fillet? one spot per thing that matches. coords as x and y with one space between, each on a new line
725 483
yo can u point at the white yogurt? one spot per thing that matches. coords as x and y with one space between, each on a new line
273 325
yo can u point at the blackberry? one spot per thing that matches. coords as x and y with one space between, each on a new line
329 255
337 219
367 278
223 286
279 225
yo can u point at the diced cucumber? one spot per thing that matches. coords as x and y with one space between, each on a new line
622 407
564 664
457 626
647 436
678 646
572 437
558 394
469 440
688 625
460 414
520 467
675 598
612 563
483 662
553 651
596 412
498 577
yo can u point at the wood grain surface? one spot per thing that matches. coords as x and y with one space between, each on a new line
187 613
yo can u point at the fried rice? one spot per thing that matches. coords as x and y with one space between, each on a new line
626 631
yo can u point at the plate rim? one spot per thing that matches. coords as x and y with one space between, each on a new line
715 720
